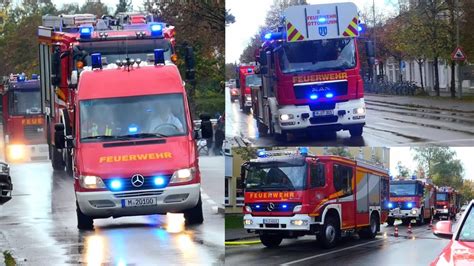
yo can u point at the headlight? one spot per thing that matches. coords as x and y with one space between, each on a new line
299 222
91 182
285 117
413 211
248 209
359 111
248 222
297 208
249 98
16 152
183 175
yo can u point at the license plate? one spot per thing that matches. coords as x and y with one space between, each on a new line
270 221
139 202
323 112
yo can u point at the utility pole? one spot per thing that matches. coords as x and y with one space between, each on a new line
458 63
374 76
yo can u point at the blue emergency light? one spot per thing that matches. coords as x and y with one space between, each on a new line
329 95
313 96
257 206
156 29
34 76
20 78
96 60
116 184
85 32
273 36
390 205
261 153
284 206
409 205
249 70
132 128
303 150
159 56
413 177
159 181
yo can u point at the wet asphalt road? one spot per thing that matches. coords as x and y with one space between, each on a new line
386 125
38 226
419 248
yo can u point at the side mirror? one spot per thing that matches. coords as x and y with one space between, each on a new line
443 229
59 138
56 66
190 63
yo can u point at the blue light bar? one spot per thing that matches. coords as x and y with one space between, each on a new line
313 96
159 56
156 29
249 70
390 205
409 205
159 181
132 128
303 150
268 36
359 28
116 184
329 95
20 78
85 32
34 76
261 153
273 36
96 60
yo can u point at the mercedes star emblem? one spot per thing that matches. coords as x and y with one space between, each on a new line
137 180
271 206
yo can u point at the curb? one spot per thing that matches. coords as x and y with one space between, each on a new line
238 243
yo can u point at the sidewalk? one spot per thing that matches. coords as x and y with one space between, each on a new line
238 234
423 101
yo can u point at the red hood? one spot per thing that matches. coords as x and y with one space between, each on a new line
160 158
456 253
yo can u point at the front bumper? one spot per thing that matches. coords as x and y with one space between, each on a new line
442 212
342 119
284 223
26 153
103 204
401 214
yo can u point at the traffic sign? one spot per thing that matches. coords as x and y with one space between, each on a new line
458 54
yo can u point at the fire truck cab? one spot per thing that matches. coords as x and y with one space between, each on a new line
23 121
288 195
311 73
411 200
446 206
246 78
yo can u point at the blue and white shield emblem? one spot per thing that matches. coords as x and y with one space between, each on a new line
323 31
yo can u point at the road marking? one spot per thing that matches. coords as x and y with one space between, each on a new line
331 252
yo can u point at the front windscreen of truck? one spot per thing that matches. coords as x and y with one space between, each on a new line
148 116
441 196
318 55
253 80
113 50
403 189
25 102
276 176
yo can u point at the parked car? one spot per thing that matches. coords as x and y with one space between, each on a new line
460 250
6 185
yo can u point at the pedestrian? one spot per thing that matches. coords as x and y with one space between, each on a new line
219 135
206 129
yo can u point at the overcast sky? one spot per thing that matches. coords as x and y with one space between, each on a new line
250 15
403 154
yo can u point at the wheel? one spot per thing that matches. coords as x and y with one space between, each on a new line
371 231
271 241
421 219
356 131
84 222
406 221
330 233
57 159
262 128
390 221
194 215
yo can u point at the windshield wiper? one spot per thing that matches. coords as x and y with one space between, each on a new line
279 188
144 135
102 137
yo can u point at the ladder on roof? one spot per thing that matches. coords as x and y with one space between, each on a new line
68 21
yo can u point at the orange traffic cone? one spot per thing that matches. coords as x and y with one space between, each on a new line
409 228
396 231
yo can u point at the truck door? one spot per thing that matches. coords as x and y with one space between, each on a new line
344 185
317 183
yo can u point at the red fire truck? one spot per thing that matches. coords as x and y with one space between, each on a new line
311 73
129 127
246 78
446 205
290 195
66 45
411 200
23 121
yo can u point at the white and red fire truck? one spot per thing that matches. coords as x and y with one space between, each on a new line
446 203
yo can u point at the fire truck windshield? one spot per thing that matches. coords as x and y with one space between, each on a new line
253 80
123 118
276 176
114 50
403 189
442 196
25 102
319 55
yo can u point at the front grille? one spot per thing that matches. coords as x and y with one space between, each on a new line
138 194
320 89
322 106
148 183
323 119
33 131
278 207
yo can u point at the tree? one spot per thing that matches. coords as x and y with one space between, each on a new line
403 171
340 151
123 6
230 71
467 190
95 7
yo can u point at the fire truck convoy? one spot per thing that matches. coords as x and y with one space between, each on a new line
447 203
311 73
118 107
246 78
23 121
411 200
290 195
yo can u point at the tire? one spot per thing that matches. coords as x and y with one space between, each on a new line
57 159
330 233
271 241
371 231
84 222
356 131
421 219
262 129
194 215
390 221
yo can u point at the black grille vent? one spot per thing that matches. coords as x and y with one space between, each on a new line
336 88
33 131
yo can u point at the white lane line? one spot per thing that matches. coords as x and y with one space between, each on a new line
331 252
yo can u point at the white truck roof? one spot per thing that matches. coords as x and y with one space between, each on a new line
319 22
